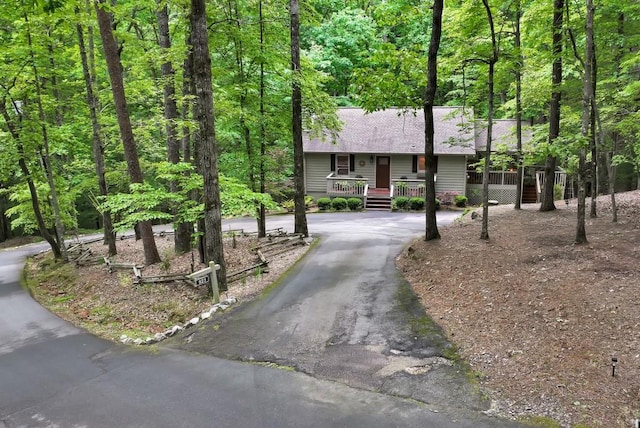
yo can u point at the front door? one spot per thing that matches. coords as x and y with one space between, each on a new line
383 172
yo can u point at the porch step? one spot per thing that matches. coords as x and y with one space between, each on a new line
529 194
378 203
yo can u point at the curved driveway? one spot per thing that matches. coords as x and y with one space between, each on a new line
353 360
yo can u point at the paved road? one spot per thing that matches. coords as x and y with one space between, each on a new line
55 375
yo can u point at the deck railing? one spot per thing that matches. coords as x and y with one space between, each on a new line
502 178
347 186
408 188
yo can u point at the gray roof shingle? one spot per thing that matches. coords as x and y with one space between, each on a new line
397 131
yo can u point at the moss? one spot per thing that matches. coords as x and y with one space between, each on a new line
540 421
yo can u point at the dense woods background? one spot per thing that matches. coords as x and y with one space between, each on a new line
205 90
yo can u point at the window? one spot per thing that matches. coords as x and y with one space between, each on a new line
419 165
342 164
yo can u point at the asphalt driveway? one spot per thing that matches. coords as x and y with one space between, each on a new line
343 318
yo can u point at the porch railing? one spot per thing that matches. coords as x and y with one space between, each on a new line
502 178
347 186
408 188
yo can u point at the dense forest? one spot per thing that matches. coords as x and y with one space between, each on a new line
117 114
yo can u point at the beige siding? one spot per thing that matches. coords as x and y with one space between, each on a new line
401 167
316 169
452 174
366 171
318 166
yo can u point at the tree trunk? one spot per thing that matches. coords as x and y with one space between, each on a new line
612 170
114 66
431 226
206 138
300 222
35 201
262 222
98 147
484 233
587 107
182 237
55 205
519 66
593 145
547 203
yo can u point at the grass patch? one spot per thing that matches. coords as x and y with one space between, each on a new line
540 421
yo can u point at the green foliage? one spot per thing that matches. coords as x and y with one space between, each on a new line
557 192
402 203
288 205
355 204
324 203
416 203
308 201
460 201
339 204
21 212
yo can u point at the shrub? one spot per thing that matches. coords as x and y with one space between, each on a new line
288 205
557 192
460 201
308 201
416 204
339 204
438 203
324 203
402 202
355 204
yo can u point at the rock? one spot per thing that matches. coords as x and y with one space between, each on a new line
159 336
205 315
149 340
123 338
231 300
223 306
173 330
138 341
213 309
192 321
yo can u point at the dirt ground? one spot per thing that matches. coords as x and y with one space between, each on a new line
112 304
538 318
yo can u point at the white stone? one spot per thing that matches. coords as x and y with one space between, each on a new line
213 309
173 330
231 300
149 340
138 341
205 315
194 321
159 336
123 337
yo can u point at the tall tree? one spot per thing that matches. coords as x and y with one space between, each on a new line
46 156
97 142
518 72
300 222
547 203
24 168
431 231
114 66
205 139
262 221
182 237
587 109
492 60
